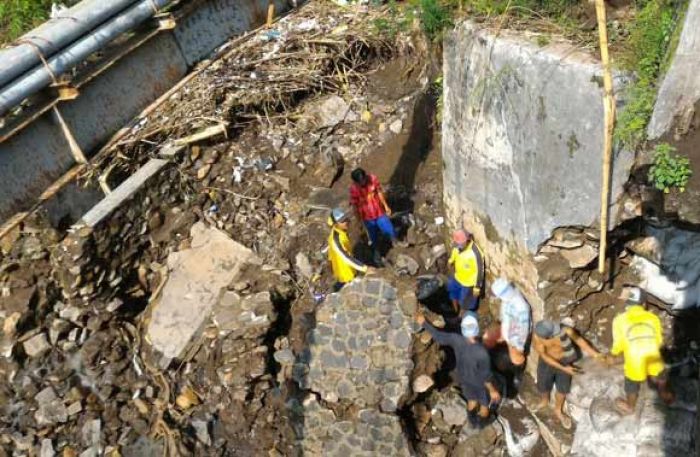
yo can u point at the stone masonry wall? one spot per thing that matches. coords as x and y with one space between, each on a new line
98 258
359 354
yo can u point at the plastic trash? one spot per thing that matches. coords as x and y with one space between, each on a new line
264 164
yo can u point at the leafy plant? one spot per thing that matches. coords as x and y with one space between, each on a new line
398 20
20 16
669 170
648 46
435 17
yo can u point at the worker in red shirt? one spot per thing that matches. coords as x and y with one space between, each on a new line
367 197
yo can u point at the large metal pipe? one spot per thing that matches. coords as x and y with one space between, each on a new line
55 34
40 77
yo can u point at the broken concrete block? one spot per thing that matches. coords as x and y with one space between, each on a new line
406 264
74 408
396 126
51 412
303 265
197 276
422 383
285 356
579 257
91 432
453 409
46 448
201 428
36 345
330 111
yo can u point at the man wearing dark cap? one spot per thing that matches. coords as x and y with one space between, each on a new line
554 344
637 335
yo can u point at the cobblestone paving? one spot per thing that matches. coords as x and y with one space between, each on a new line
359 354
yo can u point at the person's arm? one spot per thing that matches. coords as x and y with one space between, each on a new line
542 352
582 343
452 259
347 257
380 194
441 337
355 200
493 392
618 336
484 371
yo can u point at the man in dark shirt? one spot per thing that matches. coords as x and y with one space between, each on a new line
473 367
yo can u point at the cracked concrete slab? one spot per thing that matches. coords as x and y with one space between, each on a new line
197 276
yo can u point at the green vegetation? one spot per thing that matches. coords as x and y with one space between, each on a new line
20 16
435 16
438 89
549 8
647 49
398 21
669 170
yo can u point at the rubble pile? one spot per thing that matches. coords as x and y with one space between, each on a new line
654 430
82 375
319 49
668 262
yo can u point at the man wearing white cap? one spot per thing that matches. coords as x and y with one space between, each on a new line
515 320
473 365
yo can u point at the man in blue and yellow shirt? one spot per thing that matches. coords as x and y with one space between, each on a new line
464 287
343 264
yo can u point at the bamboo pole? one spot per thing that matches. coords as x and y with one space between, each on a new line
270 13
609 107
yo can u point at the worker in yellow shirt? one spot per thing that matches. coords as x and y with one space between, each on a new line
464 287
638 337
343 264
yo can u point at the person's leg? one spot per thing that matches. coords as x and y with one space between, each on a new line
454 291
545 382
372 231
337 286
564 419
562 381
485 417
373 234
472 404
665 391
470 300
388 230
657 376
627 405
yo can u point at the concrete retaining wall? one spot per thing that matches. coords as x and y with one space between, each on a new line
38 155
680 89
522 143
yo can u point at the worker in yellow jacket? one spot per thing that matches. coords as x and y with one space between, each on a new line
464 287
638 337
344 265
